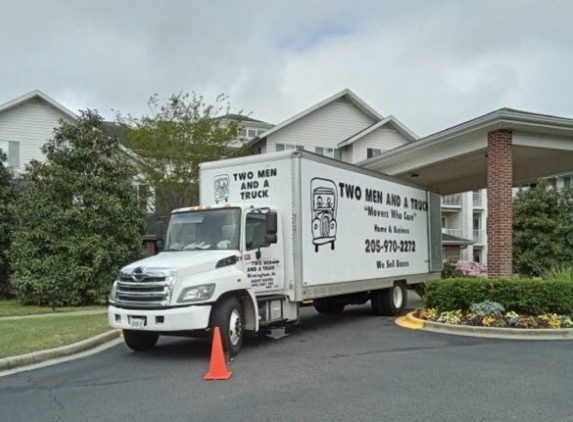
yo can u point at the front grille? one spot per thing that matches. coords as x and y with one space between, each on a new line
152 292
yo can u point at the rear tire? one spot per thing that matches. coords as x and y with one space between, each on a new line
329 307
390 302
140 341
228 315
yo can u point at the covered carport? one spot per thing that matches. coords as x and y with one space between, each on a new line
497 151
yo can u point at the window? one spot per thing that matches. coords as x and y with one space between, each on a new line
373 152
255 231
12 150
328 152
567 182
476 223
288 147
443 222
252 133
243 132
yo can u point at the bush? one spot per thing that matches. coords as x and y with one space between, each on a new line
79 219
520 295
450 270
7 220
487 308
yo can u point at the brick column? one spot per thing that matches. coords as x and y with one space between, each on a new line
499 203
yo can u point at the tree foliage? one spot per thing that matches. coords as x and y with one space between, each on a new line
79 218
174 139
7 198
542 230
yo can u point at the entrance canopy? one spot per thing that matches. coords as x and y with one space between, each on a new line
455 160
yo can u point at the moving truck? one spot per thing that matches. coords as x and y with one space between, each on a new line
275 232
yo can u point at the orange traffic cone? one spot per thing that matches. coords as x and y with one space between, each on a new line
218 366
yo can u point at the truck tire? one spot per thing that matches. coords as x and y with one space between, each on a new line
391 301
229 317
329 308
140 341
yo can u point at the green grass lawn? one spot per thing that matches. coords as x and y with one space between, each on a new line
33 334
13 307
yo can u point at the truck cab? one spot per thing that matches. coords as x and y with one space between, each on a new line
216 267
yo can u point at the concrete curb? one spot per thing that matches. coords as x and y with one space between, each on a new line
58 352
410 321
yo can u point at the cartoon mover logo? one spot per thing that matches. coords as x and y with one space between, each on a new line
324 203
221 191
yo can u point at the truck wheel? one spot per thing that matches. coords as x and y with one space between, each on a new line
390 302
329 308
228 316
140 341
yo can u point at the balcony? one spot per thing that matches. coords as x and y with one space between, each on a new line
479 236
453 232
452 200
478 200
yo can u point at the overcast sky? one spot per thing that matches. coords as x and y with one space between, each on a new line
431 64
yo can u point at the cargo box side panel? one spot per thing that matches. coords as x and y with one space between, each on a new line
267 181
357 227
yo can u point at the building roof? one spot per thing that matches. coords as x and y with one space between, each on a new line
448 239
240 117
390 120
37 94
352 97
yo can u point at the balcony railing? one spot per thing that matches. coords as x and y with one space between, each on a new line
453 232
479 236
478 199
455 200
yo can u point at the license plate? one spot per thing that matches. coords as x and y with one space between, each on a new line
137 322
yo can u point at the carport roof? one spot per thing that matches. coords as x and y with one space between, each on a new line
455 159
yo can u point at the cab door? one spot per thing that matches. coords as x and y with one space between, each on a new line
264 262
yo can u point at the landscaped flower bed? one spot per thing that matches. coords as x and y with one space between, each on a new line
507 320
502 303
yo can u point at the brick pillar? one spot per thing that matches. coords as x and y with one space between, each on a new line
499 203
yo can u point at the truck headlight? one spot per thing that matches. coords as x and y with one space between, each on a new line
113 291
196 293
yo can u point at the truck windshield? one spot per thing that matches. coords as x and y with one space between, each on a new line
204 230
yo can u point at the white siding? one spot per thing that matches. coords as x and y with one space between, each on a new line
31 124
382 138
325 127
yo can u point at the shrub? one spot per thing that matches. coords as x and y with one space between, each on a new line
450 270
79 219
519 295
7 220
487 308
471 268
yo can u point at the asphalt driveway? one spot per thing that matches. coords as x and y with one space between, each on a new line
350 367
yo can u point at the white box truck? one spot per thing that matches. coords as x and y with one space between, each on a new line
274 232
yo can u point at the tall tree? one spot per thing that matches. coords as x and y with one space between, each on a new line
79 218
542 229
174 139
7 198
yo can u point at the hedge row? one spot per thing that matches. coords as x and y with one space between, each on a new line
520 295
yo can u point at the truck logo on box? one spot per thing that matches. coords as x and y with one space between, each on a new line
324 202
221 188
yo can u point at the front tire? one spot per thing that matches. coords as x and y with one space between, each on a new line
228 315
390 302
140 341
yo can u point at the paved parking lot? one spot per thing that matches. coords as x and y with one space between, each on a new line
350 367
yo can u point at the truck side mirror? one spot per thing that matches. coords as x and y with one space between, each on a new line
271 221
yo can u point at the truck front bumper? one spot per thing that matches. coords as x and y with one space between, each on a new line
173 319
